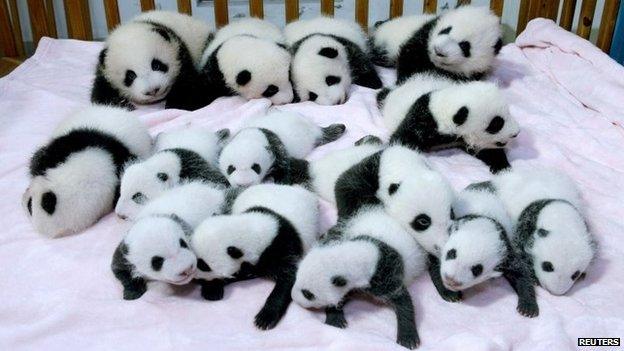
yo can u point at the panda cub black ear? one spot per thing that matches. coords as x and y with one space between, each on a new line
328 52
332 80
223 134
163 177
498 46
543 232
162 32
339 281
48 202
234 252
393 188
102 56
461 116
243 77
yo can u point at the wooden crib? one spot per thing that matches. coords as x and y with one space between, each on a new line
42 20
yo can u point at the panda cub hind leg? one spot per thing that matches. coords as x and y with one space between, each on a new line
520 280
407 335
278 301
331 133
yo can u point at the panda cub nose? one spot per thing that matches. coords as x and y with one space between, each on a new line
439 52
188 271
270 91
153 92
451 282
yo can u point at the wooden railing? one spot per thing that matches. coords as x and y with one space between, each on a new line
42 20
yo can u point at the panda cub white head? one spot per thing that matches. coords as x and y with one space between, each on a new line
476 111
246 159
327 273
465 40
141 61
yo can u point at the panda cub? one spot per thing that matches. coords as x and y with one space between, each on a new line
75 176
328 55
150 59
550 229
460 44
156 248
183 155
430 113
269 230
248 57
373 254
479 247
272 146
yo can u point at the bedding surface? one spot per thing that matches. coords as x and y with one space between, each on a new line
60 294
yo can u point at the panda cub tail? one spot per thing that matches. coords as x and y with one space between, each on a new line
331 133
381 96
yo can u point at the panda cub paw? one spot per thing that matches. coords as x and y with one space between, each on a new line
267 318
528 309
335 318
212 292
451 296
410 341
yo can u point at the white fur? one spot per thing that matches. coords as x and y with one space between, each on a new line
142 176
253 232
85 183
484 203
569 246
325 171
356 261
192 31
392 34
350 30
477 25
421 191
245 151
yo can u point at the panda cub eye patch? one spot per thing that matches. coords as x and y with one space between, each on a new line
256 168
234 252
312 96
308 294
129 78
328 52
183 244
230 169
465 48
339 281
162 176
157 263
476 270
446 30
138 198
461 116
332 80
547 266
496 124
203 266
393 188
270 91
158 65
29 205
575 275
243 77
48 202
451 254
421 222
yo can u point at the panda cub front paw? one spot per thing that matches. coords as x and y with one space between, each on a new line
267 319
528 309
212 292
452 296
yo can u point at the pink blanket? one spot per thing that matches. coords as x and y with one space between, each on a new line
60 294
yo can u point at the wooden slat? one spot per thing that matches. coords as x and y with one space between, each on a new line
463 2
430 6
552 9
567 14
111 8
327 7
256 8
17 28
607 24
184 6
497 7
38 20
361 13
51 20
221 12
292 10
78 19
588 7
523 16
396 8
147 5
7 41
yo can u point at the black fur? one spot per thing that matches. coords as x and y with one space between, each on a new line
379 55
436 278
194 167
331 133
414 58
496 159
357 187
285 169
59 149
369 139
133 287
48 202
381 96
483 186
103 91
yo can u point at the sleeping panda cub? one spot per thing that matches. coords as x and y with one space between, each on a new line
248 57
156 248
400 180
430 113
373 254
328 55
479 247
272 146
460 44
150 59
182 155
269 230
550 231
75 176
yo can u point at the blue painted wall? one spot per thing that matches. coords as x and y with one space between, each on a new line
617 47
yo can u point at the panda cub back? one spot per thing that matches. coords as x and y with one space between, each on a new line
389 36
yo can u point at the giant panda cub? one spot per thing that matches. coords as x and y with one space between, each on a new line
373 254
75 176
273 146
550 229
460 44
479 247
156 248
248 57
269 230
430 113
328 55
400 180
150 59
182 155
